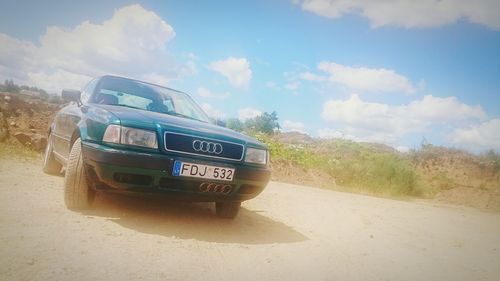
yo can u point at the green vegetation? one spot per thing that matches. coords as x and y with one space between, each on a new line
266 123
9 86
494 158
355 166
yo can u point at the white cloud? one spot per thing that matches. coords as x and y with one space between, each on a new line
271 85
236 70
312 77
361 79
248 113
192 56
188 69
17 58
485 135
409 13
291 126
378 122
292 86
56 79
212 111
206 93
155 78
447 109
131 43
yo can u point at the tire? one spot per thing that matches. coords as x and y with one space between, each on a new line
227 210
77 194
50 164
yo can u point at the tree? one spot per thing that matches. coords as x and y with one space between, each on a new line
10 86
235 124
265 123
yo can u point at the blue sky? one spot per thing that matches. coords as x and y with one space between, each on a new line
367 71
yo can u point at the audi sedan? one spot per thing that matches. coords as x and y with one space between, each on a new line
132 137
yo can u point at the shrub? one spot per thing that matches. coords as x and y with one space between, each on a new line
353 165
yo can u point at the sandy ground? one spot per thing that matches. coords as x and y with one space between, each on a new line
289 232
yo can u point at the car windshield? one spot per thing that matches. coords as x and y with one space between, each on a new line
144 96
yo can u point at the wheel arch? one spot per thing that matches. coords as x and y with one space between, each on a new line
76 134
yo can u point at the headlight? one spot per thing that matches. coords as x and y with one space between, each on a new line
130 136
255 155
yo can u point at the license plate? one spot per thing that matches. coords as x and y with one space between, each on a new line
185 169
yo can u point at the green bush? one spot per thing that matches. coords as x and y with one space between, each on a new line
353 165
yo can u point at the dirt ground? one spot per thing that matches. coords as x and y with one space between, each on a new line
289 232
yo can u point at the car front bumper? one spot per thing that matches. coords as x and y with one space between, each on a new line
140 173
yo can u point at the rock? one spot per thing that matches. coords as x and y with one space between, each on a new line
32 140
13 124
23 138
33 130
7 98
39 142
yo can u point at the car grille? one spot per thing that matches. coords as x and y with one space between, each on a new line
190 144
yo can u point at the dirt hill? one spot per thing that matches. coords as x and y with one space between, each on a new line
445 174
25 119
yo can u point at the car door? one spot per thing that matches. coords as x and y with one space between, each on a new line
64 126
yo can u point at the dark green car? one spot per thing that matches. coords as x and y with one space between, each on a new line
127 136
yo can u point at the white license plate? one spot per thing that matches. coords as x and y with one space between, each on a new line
186 169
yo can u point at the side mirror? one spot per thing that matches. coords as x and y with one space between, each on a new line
71 95
220 122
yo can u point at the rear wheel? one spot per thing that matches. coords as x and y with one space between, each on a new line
50 164
227 210
77 194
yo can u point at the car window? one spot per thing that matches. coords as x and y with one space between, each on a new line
169 104
107 96
88 90
183 108
145 96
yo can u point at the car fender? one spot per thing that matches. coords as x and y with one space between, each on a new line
93 123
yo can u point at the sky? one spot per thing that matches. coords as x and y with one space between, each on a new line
397 72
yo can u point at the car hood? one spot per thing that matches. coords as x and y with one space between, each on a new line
153 120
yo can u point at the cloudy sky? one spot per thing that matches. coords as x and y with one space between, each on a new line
389 71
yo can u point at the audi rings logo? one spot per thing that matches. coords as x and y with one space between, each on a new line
208 147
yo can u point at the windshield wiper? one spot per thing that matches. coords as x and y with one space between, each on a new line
126 105
182 115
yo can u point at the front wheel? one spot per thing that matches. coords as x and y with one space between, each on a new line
227 210
77 194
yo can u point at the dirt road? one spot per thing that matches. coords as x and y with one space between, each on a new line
287 233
